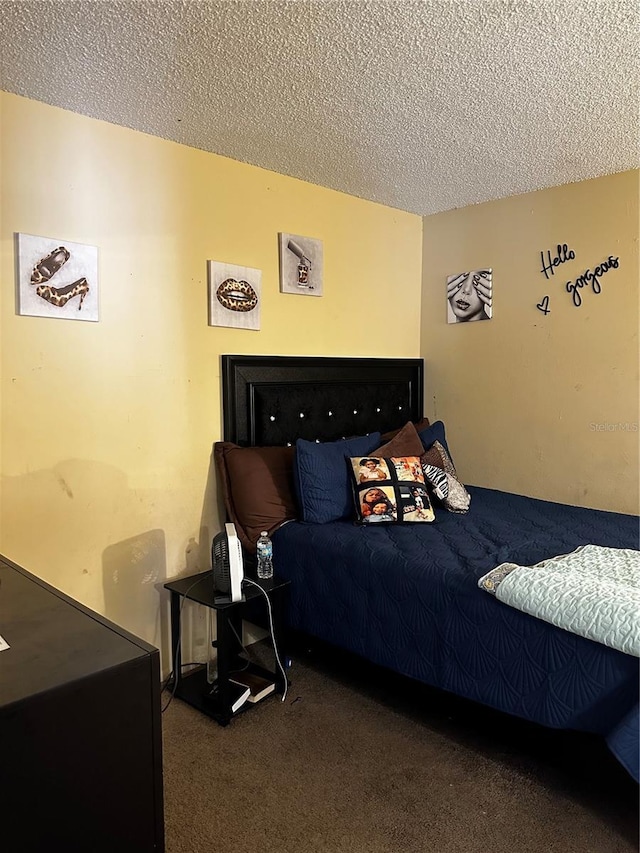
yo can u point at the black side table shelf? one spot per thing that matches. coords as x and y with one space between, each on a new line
193 688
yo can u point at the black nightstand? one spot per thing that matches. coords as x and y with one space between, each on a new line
215 700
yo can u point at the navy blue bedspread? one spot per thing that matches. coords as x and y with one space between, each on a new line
406 597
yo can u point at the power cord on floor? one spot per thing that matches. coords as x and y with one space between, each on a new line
170 676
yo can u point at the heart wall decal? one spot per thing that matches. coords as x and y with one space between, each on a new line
544 306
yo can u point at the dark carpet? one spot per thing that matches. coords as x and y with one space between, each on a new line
357 760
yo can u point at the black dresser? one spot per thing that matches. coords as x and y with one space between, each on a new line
80 728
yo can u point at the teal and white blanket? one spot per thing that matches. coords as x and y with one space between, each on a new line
594 592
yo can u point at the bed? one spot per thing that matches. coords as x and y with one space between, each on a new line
402 595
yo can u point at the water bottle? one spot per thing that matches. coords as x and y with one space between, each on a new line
264 552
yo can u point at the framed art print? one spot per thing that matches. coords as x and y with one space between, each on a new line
234 296
470 296
56 278
301 264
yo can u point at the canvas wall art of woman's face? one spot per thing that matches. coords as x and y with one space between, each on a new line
470 296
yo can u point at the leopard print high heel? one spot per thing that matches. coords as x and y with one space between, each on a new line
59 296
46 268
49 266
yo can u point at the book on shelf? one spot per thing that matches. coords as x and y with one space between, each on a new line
258 685
239 694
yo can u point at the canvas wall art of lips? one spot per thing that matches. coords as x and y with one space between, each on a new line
237 295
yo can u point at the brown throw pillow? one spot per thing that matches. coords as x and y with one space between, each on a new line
257 488
423 423
406 442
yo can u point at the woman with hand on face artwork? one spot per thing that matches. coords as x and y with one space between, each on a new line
470 295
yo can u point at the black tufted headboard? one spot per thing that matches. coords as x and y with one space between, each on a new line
272 400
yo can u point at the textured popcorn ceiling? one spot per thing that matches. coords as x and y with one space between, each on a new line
423 105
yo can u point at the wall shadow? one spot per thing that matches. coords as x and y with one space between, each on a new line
212 516
131 569
55 522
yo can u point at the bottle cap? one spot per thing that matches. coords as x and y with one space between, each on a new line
264 533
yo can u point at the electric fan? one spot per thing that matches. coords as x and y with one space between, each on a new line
226 563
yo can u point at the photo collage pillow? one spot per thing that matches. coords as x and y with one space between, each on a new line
390 489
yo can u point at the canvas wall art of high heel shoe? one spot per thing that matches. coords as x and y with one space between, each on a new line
42 270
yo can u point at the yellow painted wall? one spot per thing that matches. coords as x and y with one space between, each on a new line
107 427
540 405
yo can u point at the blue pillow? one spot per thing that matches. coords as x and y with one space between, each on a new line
322 477
432 433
